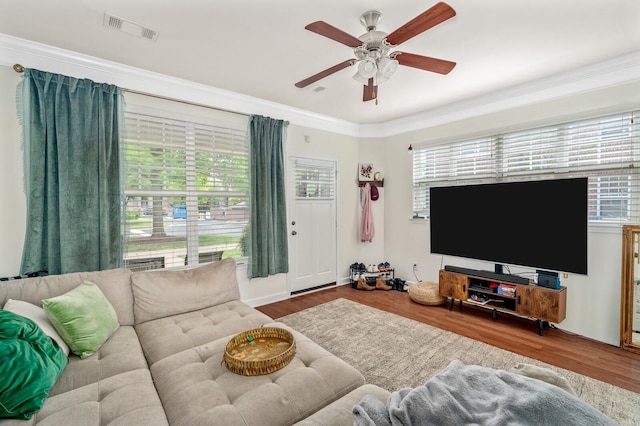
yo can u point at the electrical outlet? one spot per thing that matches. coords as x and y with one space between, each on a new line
415 267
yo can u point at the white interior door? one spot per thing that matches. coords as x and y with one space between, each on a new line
312 223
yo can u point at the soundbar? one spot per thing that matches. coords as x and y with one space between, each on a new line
514 279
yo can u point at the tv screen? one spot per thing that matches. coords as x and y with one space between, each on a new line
540 224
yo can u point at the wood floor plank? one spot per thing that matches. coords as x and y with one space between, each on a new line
556 347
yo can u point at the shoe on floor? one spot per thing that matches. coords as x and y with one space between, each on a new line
362 285
381 285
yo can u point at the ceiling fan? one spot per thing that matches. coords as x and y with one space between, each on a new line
372 50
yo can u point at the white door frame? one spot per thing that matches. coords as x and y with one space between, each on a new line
292 277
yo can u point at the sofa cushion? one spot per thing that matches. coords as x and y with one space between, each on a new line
167 336
197 388
162 293
340 412
30 363
125 399
37 315
84 317
120 354
114 283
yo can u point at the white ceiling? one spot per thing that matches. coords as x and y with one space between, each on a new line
260 48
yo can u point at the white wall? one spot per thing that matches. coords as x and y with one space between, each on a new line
12 199
318 144
372 151
322 144
593 301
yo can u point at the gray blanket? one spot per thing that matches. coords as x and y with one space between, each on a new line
473 395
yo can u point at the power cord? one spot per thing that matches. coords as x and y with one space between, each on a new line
519 274
414 272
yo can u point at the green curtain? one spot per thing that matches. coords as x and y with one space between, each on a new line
267 237
72 173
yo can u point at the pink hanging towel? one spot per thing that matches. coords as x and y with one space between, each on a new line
367 229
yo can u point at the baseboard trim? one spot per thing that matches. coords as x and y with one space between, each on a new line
284 295
272 298
310 289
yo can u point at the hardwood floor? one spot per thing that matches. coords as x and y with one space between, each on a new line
565 350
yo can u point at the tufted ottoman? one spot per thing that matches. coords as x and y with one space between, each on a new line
426 293
196 388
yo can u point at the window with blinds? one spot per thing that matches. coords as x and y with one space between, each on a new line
314 178
452 162
186 185
604 149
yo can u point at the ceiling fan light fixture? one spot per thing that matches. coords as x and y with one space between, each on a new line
386 68
360 52
361 79
367 69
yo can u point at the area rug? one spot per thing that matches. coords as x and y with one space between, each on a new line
394 352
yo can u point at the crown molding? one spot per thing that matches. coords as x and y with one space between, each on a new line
52 59
617 71
621 70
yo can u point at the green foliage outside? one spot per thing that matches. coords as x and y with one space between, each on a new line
243 247
159 166
132 216
135 222
203 240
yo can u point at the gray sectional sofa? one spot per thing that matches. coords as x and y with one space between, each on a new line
164 363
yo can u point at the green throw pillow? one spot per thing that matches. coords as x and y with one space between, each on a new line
30 364
83 317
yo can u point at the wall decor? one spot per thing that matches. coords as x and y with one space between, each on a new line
365 171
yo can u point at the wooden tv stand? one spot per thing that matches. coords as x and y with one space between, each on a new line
531 301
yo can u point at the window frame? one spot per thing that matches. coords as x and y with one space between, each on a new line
211 171
573 149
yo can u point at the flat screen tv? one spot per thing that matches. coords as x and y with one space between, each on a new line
540 224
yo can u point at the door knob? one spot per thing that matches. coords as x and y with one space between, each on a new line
294 233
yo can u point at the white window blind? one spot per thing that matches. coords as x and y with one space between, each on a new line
314 179
186 184
474 159
605 149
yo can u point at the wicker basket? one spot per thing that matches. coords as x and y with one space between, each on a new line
253 337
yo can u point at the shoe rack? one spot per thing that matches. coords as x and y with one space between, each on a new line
370 277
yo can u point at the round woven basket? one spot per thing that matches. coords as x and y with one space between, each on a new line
426 293
262 366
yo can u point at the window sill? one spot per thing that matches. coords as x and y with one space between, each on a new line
418 220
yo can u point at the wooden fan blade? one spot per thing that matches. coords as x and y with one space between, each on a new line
370 91
424 62
325 73
329 31
421 23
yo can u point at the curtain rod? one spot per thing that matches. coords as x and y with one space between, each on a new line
187 102
20 69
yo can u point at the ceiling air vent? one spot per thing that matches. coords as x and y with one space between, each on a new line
129 27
